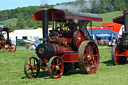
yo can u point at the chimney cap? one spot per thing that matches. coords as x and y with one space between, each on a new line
44 7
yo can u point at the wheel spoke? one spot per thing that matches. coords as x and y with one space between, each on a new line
51 70
31 73
55 67
29 65
34 62
93 57
55 73
28 69
87 49
85 61
30 61
59 64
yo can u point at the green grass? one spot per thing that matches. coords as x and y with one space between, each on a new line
12 71
108 17
9 22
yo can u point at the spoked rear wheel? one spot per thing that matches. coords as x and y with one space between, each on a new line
6 48
12 48
31 67
88 57
116 59
55 67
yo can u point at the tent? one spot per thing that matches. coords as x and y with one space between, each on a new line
21 35
103 33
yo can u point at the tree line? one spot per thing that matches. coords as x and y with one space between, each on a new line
24 15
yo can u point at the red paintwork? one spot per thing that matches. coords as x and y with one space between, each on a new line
82 39
125 54
61 49
65 40
112 26
98 27
55 47
60 15
116 55
70 57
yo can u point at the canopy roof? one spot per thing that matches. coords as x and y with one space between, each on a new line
103 33
119 20
62 15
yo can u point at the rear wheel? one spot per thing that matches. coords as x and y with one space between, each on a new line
12 48
55 67
116 59
31 67
88 57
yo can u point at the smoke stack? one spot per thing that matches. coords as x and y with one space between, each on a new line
126 20
125 23
45 24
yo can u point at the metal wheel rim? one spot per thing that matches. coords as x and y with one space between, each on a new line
31 69
115 57
88 57
55 67
6 48
12 48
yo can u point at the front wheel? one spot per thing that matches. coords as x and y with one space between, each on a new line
55 67
6 48
31 67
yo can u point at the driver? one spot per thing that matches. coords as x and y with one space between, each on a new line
72 27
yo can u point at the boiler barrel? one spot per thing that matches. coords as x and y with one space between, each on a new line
45 50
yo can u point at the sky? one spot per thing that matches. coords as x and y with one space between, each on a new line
12 4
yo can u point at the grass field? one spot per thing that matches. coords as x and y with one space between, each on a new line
108 17
12 71
9 22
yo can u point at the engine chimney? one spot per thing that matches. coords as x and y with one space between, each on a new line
45 24
126 22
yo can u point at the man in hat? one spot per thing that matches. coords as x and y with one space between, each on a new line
71 27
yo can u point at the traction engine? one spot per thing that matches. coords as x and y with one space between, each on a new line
120 51
59 54
6 43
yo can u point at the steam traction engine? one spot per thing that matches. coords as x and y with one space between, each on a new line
59 53
120 51
6 43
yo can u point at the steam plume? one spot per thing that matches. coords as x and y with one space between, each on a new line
86 5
